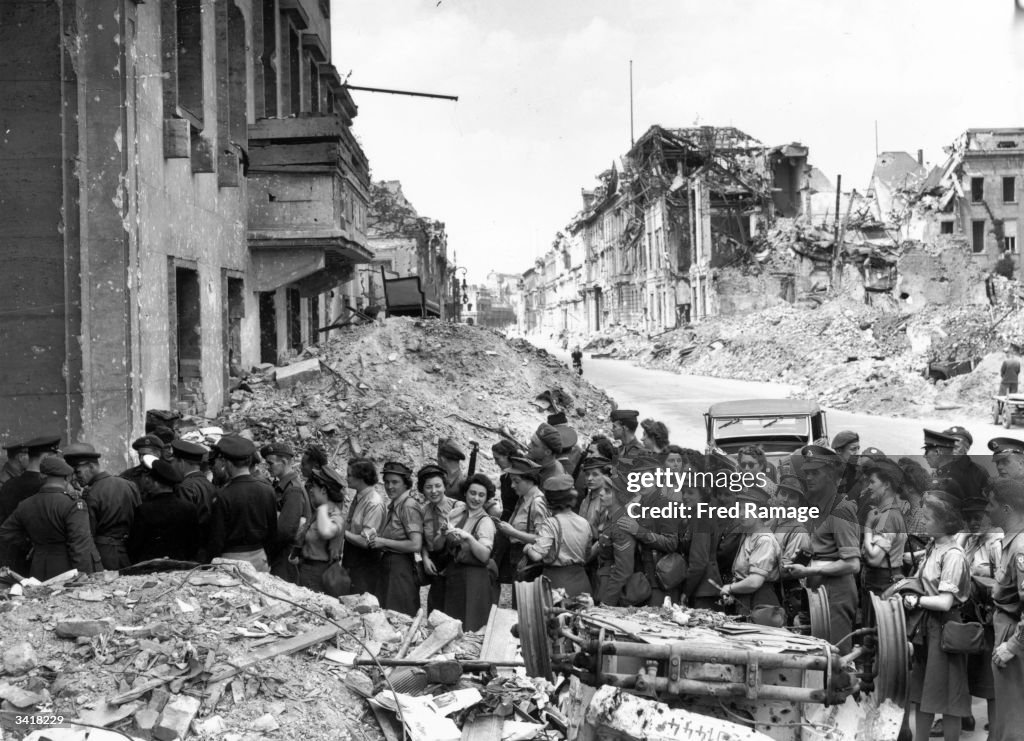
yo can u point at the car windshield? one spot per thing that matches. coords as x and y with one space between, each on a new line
754 426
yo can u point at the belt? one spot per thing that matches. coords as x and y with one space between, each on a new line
564 565
314 560
109 540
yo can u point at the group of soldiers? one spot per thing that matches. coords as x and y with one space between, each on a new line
563 509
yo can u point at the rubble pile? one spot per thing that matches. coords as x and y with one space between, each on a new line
845 354
391 389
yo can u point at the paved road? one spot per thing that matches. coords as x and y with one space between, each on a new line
681 400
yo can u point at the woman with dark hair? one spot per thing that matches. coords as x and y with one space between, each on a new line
938 682
400 540
530 511
502 451
365 519
755 569
751 459
884 534
655 435
916 481
470 582
431 483
323 538
563 539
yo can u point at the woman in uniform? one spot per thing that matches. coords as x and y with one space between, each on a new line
431 483
563 542
884 534
501 451
755 569
470 586
323 538
938 682
400 540
530 511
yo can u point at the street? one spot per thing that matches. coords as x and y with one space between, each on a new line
680 401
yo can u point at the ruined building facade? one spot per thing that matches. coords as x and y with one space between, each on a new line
182 198
680 205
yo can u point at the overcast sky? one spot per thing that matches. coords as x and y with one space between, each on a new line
543 90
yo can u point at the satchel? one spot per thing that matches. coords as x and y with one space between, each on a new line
962 638
335 580
671 570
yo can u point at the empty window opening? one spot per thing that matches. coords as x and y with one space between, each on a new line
187 381
977 190
946 227
978 235
1009 189
294 320
268 328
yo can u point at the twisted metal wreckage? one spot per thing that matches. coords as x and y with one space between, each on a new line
695 674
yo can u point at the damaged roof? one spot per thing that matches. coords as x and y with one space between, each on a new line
897 169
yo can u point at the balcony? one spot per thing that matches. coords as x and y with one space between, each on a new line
308 183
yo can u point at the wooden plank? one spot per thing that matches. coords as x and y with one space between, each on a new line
499 646
289 646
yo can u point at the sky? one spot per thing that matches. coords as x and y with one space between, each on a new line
543 89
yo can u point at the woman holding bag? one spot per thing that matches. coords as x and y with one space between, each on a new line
324 538
431 484
938 682
530 510
470 585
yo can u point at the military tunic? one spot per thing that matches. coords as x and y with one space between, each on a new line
369 508
1008 621
563 544
295 505
617 556
398 587
435 525
57 526
165 526
835 536
759 553
243 524
111 501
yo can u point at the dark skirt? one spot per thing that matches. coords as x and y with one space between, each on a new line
766 594
469 595
842 605
435 597
309 574
938 680
363 566
1007 723
398 588
980 680
573 579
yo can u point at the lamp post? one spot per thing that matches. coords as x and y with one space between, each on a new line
460 297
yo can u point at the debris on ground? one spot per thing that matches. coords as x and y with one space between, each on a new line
392 388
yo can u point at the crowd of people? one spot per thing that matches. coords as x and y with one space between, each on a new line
943 538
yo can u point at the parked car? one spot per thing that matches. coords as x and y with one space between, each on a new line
779 426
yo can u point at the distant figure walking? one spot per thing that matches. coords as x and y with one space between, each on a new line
1009 373
577 360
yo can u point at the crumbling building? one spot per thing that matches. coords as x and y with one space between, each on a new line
182 194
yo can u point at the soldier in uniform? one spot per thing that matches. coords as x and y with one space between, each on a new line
292 502
143 446
22 487
1008 455
617 546
1006 510
450 457
545 446
166 524
835 541
195 488
243 524
624 424
656 536
55 524
16 463
847 446
111 501
946 453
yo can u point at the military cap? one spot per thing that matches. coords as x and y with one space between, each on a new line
844 438
568 434
559 482
448 449
619 415
13 448
596 461
188 451
870 452
550 436
886 467
80 452
962 433
1003 447
54 465
504 447
948 485
148 441
283 450
618 482
329 478
973 505
430 470
818 456
941 495
235 447
396 468
933 439
519 466
43 444
165 433
559 491
792 484
165 472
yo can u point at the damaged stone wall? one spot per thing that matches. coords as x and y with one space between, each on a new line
945 273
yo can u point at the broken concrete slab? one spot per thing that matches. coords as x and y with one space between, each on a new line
22 698
360 603
176 718
379 629
288 376
84 628
20 659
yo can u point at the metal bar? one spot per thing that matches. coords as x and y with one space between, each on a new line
687 652
400 92
701 688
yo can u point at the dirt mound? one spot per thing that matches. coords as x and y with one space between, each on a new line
391 389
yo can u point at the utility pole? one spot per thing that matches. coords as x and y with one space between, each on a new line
835 249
